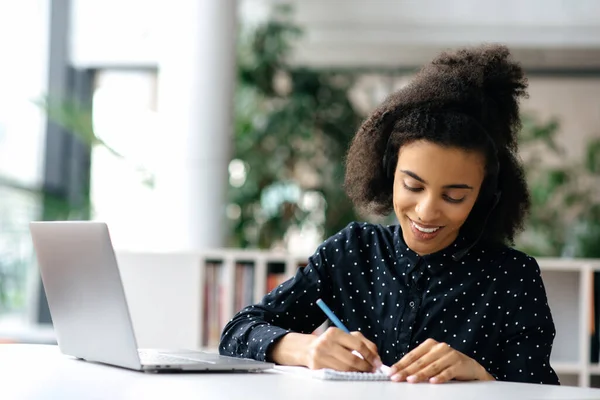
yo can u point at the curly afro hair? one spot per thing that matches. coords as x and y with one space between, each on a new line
467 99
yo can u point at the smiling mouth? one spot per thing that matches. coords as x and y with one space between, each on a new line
425 229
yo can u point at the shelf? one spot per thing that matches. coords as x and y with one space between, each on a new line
594 369
568 264
562 367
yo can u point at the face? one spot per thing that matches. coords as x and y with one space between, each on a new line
435 189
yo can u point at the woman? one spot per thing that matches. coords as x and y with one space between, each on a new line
441 295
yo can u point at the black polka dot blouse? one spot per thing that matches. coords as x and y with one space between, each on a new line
491 304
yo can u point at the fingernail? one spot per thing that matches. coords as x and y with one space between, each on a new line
411 378
386 370
434 380
395 378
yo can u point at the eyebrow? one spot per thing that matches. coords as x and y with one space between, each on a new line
452 186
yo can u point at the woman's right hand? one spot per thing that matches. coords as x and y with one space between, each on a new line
332 349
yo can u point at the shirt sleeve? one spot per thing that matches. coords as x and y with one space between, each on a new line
288 308
528 332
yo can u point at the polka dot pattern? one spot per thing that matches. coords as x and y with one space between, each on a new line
491 304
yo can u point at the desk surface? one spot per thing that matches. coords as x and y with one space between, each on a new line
42 372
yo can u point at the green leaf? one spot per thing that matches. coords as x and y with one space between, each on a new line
556 179
592 157
298 135
76 118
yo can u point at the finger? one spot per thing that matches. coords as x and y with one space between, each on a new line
370 353
443 376
329 353
413 356
352 342
335 363
360 344
446 362
434 355
352 362
372 346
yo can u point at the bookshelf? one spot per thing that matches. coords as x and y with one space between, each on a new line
569 284
184 300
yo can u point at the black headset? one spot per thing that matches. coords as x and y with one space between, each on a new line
489 194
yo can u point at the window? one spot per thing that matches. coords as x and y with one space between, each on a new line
23 75
124 118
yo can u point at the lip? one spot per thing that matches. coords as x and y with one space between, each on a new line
424 236
426 226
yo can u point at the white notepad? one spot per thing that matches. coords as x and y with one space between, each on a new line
333 375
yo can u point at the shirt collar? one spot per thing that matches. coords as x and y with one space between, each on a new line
434 262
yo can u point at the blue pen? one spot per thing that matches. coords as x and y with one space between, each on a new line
384 369
331 315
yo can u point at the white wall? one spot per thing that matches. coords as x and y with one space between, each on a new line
543 33
115 32
395 33
574 102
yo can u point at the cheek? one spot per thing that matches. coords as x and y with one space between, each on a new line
403 199
457 214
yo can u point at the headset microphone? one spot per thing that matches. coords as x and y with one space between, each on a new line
461 253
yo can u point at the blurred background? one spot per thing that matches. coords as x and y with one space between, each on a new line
197 125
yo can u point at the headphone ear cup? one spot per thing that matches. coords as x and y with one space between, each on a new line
490 195
385 164
496 200
388 160
389 165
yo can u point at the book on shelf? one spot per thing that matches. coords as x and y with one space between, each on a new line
215 314
276 275
213 284
244 285
594 316
274 280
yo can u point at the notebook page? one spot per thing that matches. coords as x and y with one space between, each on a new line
332 375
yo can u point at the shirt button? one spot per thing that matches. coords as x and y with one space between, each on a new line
411 304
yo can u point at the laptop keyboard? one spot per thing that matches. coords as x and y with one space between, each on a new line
153 358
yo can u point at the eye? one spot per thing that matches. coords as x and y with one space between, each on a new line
412 189
453 200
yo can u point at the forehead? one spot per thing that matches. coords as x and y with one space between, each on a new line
436 163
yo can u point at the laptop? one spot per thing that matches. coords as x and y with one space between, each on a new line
89 309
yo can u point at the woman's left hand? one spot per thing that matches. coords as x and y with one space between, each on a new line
437 362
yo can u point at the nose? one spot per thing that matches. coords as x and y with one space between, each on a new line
427 209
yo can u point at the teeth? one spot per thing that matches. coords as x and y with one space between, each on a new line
425 230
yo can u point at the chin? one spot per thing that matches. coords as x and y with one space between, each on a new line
420 248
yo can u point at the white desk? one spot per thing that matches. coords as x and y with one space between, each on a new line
42 372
